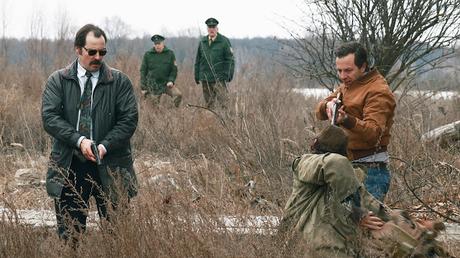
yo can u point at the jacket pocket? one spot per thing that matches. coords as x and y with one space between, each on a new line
120 175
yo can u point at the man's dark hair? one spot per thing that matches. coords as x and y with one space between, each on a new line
353 48
331 139
80 37
317 148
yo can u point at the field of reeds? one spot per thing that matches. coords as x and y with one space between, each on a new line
195 166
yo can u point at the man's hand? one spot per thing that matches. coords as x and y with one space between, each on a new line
372 222
102 151
330 107
341 116
170 84
85 148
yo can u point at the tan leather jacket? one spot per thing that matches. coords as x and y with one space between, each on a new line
369 104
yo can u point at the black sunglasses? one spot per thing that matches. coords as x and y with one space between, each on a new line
92 52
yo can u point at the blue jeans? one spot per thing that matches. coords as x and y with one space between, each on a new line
378 182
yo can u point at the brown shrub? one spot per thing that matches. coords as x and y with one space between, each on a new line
212 157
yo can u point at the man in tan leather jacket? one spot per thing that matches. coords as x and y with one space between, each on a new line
366 115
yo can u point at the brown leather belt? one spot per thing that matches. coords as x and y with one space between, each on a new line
372 164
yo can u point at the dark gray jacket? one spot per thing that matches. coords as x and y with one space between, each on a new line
115 117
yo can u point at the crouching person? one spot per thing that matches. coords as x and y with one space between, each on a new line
329 207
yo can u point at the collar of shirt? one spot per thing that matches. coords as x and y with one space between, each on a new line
81 72
212 38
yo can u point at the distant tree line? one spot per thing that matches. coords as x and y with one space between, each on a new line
54 53
255 55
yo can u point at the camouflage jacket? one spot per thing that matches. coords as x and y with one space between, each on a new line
319 209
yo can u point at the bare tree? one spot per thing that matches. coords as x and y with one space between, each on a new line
37 24
64 32
64 24
32 42
4 24
117 31
37 43
115 27
404 37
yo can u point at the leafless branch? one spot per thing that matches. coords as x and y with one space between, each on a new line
404 38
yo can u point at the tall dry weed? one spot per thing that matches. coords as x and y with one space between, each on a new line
214 161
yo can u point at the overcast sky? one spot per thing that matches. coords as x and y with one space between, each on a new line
237 18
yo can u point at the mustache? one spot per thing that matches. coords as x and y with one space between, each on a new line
95 62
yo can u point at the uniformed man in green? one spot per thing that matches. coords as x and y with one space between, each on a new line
214 65
159 72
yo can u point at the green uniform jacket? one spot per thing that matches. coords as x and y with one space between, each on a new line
115 117
214 62
157 69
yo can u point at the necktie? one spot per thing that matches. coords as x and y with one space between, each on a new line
85 108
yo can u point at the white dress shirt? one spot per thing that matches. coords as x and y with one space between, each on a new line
81 74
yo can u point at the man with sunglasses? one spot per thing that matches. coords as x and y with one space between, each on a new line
159 72
89 104
214 65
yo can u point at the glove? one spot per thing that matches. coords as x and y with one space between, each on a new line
197 81
170 84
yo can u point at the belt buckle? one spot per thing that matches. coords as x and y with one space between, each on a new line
374 165
377 164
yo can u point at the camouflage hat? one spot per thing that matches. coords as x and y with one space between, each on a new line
211 22
157 38
332 139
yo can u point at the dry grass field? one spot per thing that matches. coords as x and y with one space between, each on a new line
193 163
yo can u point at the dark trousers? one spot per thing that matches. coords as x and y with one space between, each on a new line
215 91
72 208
